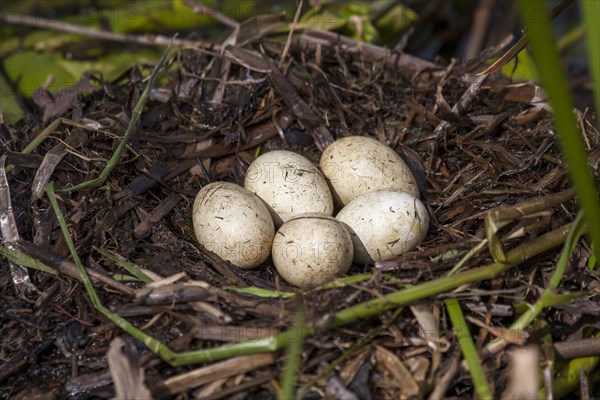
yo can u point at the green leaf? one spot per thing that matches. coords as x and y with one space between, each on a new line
8 103
521 67
396 20
32 70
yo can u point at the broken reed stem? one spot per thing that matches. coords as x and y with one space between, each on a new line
343 317
377 306
549 297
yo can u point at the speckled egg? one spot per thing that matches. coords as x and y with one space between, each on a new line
312 249
289 184
355 165
233 223
384 224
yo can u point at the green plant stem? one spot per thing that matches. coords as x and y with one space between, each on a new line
294 354
545 53
549 297
567 379
467 347
343 317
135 116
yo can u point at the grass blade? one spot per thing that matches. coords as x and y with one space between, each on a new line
130 267
591 17
552 76
467 347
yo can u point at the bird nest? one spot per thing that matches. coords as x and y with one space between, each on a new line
482 150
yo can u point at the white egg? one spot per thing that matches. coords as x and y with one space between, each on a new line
233 223
289 184
312 249
384 224
355 165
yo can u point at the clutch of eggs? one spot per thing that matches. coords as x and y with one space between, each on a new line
381 217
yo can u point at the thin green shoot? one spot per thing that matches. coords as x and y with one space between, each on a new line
467 347
294 354
135 116
130 267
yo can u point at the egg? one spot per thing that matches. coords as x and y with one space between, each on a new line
312 249
384 224
233 223
289 184
355 165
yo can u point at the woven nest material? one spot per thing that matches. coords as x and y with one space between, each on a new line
473 143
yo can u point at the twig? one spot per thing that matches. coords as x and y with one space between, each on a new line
148 39
200 8
391 59
578 348
288 42
522 42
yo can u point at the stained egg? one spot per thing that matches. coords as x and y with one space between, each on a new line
355 165
289 184
384 224
233 223
312 249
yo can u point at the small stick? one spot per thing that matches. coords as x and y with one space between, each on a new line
578 348
201 8
149 40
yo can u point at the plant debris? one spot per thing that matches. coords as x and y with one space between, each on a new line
474 143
